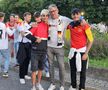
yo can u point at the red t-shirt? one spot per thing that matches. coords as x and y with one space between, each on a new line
41 30
78 36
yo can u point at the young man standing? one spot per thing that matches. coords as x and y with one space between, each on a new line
18 21
4 52
11 24
25 27
39 48
81 42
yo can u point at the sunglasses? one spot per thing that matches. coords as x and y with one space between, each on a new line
44 15
53 11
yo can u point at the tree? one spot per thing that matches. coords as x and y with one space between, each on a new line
95 10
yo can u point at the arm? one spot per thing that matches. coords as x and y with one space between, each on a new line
32 38
89 43
90 39
30 35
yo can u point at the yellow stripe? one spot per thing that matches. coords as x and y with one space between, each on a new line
67 34
89 35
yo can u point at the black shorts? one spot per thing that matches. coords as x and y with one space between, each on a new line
37 61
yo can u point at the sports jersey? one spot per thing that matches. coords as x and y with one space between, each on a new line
4 31
41 30
79 35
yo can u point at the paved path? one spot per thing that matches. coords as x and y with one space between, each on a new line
12 83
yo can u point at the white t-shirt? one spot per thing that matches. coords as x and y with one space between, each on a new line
53 29
4 31
25 28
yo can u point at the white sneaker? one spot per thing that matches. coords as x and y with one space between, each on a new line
27 77
39 86
5 75
33 88
71 88
47 74
22 81
61 88
52 87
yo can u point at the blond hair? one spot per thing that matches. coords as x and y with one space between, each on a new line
45 11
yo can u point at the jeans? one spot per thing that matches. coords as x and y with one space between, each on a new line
16 45
4 54
59 54
46 64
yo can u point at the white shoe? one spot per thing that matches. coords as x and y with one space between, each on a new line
27 77
22 81
33 88
47 74
52 87
5 75
61 88
39 86
71 88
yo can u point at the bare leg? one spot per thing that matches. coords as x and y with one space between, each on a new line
39 75
33 78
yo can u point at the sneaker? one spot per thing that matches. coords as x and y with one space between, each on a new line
5 74
22 81
33 88
71 88
47 74
61 88
52 87
27 77
81 89
39 86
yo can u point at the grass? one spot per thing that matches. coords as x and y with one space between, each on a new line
103 63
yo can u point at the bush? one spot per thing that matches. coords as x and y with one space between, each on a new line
100 45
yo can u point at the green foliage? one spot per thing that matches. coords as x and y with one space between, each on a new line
103 63
100 45
95 11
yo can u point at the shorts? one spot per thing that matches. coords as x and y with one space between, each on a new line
37 61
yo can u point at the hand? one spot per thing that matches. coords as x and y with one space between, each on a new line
83 22
85 56
33 24
38 40
22 33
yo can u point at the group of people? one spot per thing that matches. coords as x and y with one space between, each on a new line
43 40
